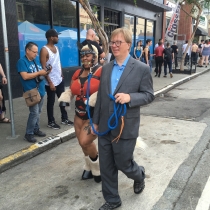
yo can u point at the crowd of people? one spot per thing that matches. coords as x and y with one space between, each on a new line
113 84
167 55
124 82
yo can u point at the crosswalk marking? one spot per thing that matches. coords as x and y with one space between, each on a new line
204 201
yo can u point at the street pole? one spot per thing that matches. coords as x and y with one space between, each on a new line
6 53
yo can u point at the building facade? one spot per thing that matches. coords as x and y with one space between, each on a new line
28 20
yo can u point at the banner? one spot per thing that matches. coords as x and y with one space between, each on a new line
173 25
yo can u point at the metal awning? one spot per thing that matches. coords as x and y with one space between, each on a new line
159 7
201 32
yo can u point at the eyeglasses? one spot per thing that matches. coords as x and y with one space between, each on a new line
117 43
33 51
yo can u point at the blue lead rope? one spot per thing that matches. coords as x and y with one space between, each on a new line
119 111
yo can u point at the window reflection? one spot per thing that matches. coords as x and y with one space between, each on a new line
64 21
129 24
85 21
33 21
140 24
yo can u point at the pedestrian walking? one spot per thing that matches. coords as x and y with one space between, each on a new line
49 55
175 49
168 55
159 58
205 51
30 71
130 83
80 85
3 82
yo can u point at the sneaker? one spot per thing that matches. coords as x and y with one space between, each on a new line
164 76
67 122
30 138
171 75
39 133
53 125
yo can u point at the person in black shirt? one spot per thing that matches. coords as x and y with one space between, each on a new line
90 38
175 50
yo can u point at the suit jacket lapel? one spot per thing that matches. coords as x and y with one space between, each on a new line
125 73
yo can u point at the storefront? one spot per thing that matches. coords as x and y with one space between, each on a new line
28 20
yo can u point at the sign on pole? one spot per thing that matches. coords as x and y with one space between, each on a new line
173 25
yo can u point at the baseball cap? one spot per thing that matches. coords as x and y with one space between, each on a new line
51 33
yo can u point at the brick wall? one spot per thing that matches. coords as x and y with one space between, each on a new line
185 22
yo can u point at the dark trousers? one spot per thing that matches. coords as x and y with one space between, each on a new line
169 64
159 62
113 157
194 58
175 59
51 100
186 60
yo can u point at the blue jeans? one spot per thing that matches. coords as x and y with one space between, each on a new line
33 118
169 63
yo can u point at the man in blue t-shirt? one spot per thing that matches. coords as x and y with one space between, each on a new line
31 76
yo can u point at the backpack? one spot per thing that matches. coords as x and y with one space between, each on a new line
168 54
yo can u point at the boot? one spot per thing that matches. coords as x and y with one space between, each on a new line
95 169
87 174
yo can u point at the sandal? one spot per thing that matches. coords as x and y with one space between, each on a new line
5 120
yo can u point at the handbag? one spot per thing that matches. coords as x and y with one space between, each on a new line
32 97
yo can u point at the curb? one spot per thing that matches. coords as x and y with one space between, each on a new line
52 141
35 149
179 82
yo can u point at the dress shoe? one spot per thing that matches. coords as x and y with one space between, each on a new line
109 206
138 187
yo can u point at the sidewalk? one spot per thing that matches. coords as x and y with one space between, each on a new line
15 151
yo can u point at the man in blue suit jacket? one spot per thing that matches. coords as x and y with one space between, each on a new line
130 82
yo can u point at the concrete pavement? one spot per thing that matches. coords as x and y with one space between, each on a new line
17 150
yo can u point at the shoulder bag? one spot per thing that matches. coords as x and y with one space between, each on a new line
32 97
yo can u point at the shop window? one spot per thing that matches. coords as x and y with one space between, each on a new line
129 24
140 25
64 21
111 21
150 33
33 22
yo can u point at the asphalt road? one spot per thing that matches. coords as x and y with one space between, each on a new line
175 128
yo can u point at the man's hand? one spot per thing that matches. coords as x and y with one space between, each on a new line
4 80
122 98
43 72
96 128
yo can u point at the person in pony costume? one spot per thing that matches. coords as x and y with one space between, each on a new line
78 88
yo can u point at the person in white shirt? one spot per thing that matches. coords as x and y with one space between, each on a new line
49 55
187 53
